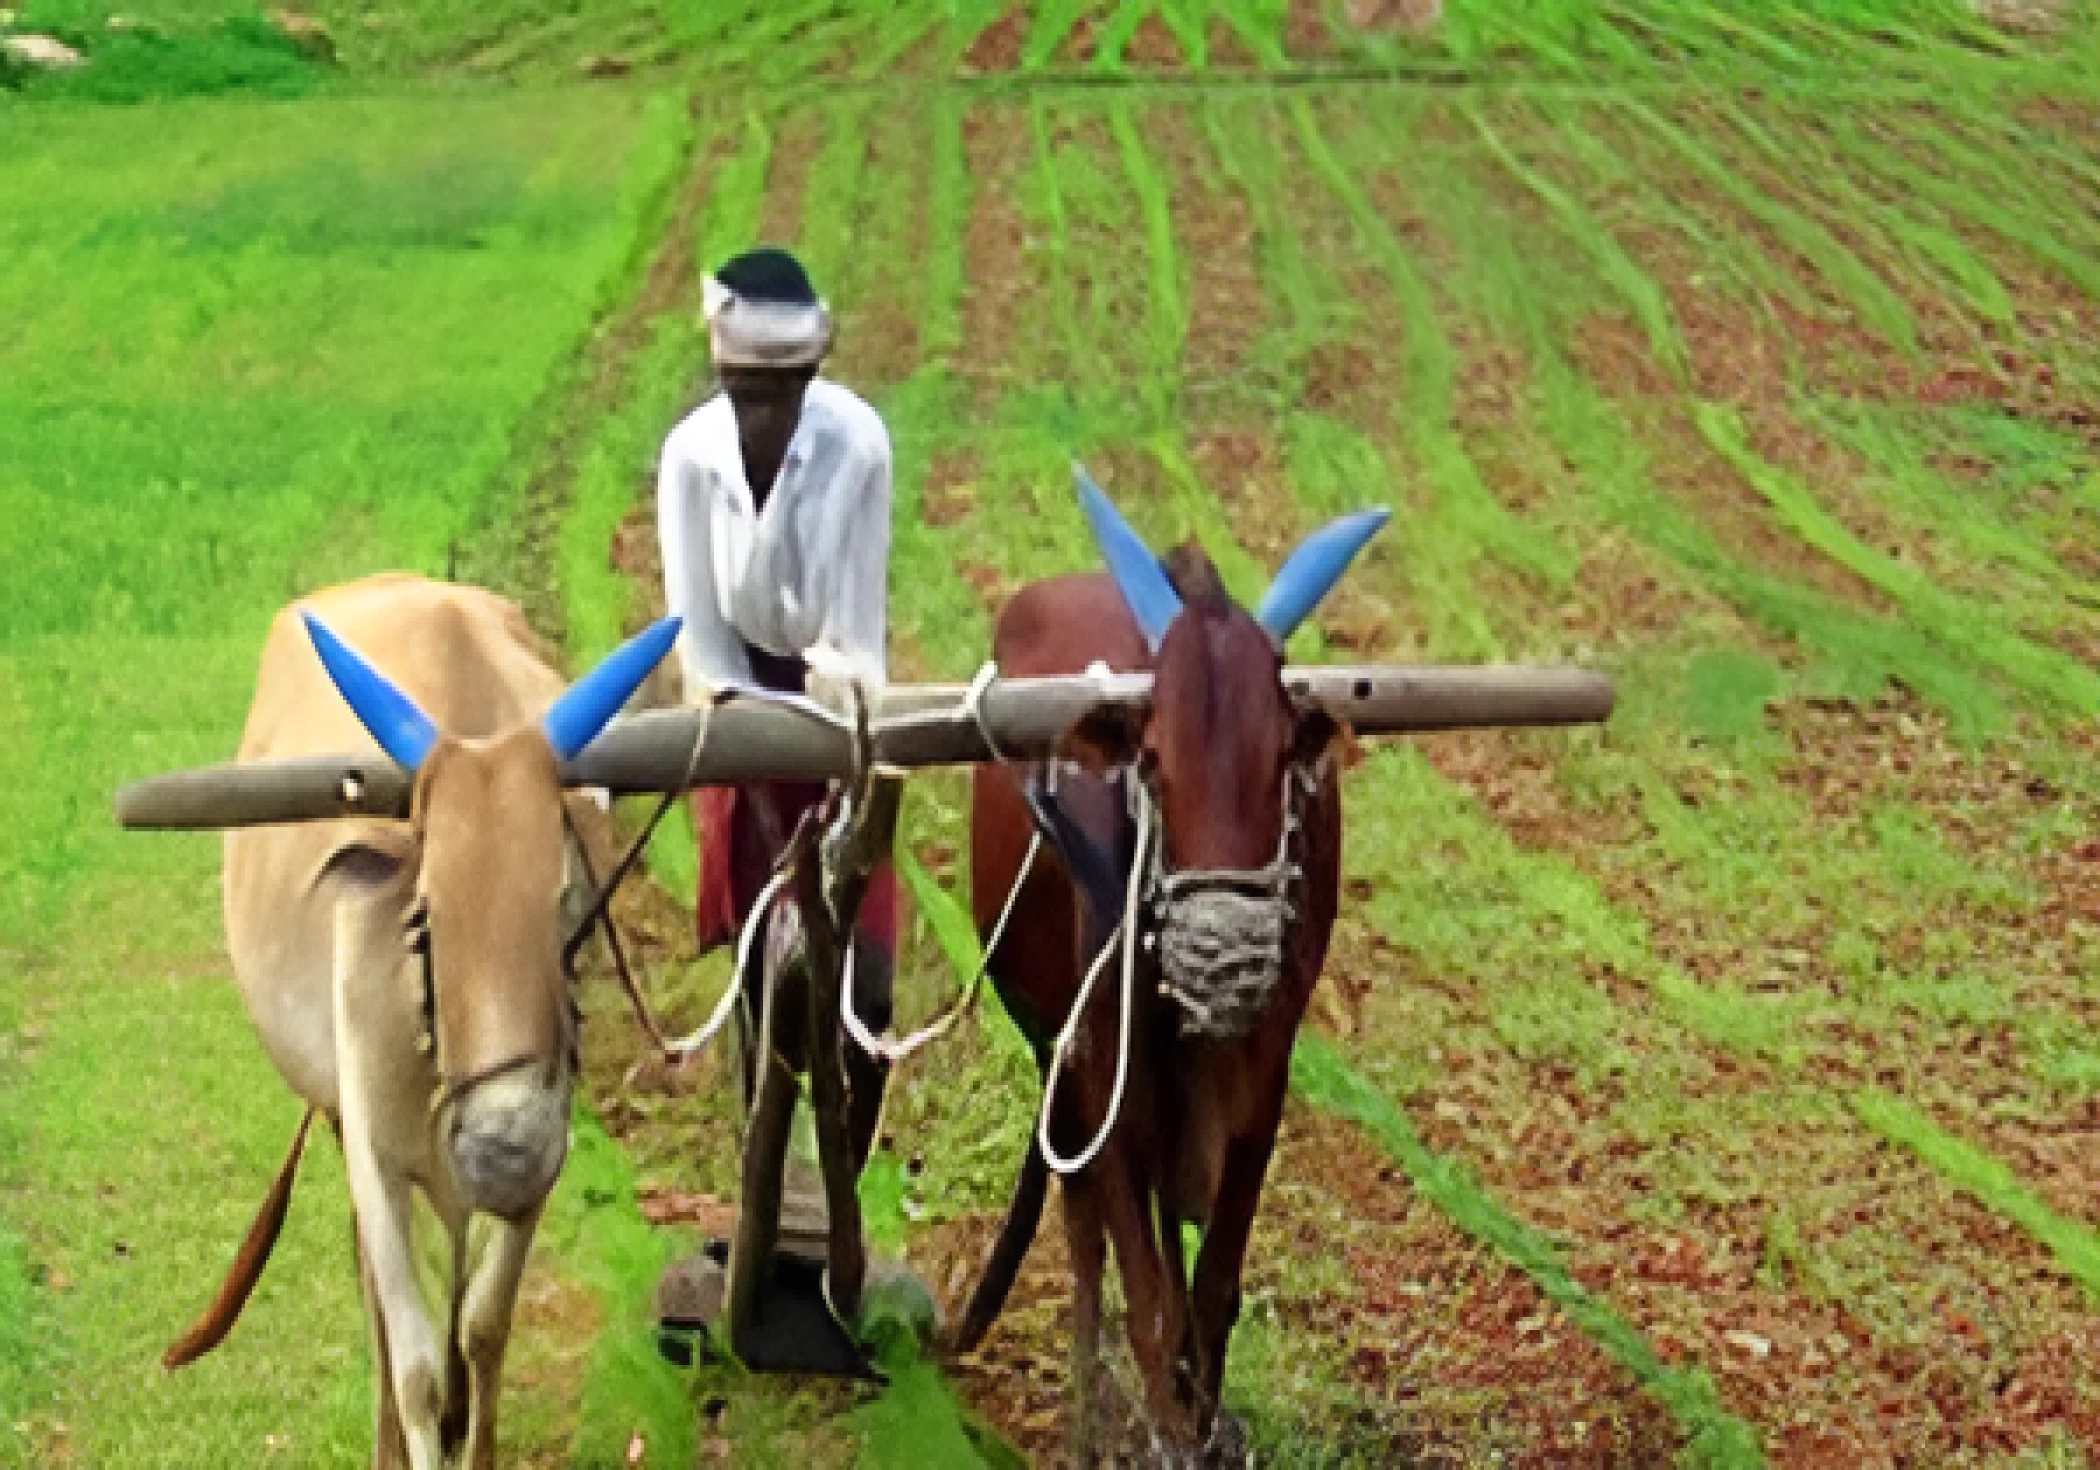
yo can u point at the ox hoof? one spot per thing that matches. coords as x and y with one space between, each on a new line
1227 1447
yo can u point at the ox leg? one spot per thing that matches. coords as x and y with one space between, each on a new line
452 1427
1174 1257
1088 1248
1156 1310
1016 1234
1215 1300
389 1448
489 1301
383 1221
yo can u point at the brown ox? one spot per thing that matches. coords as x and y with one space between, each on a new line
1234 922
407 978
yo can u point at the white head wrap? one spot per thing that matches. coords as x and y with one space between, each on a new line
746 332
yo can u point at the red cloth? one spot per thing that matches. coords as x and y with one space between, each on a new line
735 866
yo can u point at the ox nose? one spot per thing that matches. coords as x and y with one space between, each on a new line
510 1136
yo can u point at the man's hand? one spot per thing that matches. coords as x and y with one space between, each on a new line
834 674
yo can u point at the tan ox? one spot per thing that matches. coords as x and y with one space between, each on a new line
407 978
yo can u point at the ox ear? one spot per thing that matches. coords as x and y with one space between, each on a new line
1313 569
1105 738
1321 736
1139 576
592 701
394 720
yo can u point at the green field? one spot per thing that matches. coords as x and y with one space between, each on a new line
1719 1087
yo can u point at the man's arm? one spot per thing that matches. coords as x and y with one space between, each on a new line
710 654
857 622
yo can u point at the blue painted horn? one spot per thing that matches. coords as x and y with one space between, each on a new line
1139 577
396 722
407 734
592 701
1313 569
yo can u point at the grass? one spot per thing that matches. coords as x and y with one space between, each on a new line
284 368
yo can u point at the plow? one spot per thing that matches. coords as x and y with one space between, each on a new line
751 736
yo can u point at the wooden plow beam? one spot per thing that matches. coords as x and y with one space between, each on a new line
747 738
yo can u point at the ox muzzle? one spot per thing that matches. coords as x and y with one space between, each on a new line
507 1135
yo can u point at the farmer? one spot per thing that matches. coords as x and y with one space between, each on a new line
773 509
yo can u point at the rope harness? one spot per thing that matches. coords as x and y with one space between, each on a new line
1220 936
896 1051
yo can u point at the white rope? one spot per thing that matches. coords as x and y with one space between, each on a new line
682 1051
1124 931
973 705
897 1051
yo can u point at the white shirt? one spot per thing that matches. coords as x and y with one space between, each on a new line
811 569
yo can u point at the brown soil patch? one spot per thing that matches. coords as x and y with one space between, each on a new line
1452 1341
795 149
1241 469
992 586
1077 46
878 343
1153 47
948 496
1831 1333
1624 593
1741 358
1615 353
1307 36
1961 360
1000 151
1344 380
2044 370
1017 1377
1409 17
1451 1349
1228 49
1488 408
1848 756
1355 376
636 552
998 47
1513 773
1684 466
2064 120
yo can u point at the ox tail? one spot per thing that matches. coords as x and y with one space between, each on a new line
1008 1251
211 1329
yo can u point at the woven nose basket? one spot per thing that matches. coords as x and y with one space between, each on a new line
1221 956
